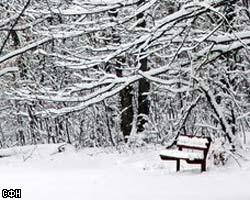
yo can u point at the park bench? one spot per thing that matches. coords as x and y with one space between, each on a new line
197 153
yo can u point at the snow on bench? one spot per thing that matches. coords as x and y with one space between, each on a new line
200 145
182 154
192 142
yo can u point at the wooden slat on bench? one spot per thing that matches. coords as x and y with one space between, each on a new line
181 155
194 142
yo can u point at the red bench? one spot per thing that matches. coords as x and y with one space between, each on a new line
199 144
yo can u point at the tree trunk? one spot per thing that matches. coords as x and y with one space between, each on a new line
127 111
144 85
126 96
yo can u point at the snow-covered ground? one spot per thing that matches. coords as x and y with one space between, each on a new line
95 174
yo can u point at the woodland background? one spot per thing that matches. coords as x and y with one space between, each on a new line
104 73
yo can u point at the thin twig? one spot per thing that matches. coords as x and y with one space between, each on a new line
14 24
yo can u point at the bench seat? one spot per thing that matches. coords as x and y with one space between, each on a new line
181 155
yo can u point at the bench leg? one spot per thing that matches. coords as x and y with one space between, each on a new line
203 166
178 165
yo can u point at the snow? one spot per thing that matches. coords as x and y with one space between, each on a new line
182 154
24 49
194 141
8 70
138 174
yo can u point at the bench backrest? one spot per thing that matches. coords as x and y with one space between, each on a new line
194 142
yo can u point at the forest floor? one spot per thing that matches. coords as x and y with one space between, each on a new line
105 174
